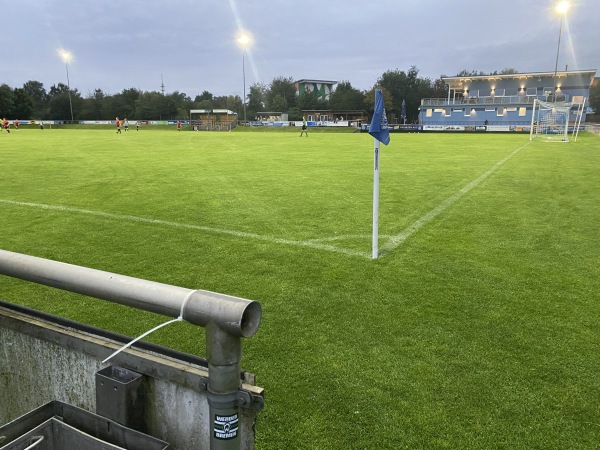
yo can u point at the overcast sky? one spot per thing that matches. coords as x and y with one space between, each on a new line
192 43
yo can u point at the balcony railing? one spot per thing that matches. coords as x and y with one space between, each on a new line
493 100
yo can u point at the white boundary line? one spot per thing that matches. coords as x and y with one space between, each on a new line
393 241
241 234
397 240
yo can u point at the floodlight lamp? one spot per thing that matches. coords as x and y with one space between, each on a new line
243 39
65 55
562 7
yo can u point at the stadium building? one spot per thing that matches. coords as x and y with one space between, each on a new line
321 88
498 101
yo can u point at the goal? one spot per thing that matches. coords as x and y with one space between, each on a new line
550 121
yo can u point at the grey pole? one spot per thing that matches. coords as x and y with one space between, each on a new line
69 87
557 53
244 80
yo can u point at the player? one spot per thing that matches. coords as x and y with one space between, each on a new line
16 124
179 125
42 125
6 125
126 123
118 124
137 125
304 127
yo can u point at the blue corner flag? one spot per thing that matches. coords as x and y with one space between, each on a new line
379 125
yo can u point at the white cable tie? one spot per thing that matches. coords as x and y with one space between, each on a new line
178 319
184 303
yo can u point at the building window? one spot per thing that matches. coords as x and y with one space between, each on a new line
511 92
439 110
448 112
531 91
490 109
500 112
548 90
522 111
428 112
468 112
458 110
499 93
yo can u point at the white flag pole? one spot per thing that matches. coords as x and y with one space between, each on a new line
375 199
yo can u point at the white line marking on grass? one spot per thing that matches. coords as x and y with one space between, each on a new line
166 223
397 240
345 237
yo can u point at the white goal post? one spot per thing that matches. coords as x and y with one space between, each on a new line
550 121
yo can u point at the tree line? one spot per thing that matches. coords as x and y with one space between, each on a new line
33 101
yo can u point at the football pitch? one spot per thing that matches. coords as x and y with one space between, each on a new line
478 327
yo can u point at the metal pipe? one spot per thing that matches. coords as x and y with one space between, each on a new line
236 316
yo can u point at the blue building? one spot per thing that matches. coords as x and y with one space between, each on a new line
501 101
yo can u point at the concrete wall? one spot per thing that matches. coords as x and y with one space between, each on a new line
43 360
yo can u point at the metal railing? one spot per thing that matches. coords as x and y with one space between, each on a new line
493 100
226 319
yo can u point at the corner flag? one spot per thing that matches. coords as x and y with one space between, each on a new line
379 130
379 124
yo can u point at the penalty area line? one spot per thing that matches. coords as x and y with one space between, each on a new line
397 240
239 234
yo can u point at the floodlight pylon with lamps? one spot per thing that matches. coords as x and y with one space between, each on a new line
561 8
66 56
244 40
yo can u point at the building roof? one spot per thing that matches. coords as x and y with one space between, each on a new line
315 81
458 82
560 73
211 111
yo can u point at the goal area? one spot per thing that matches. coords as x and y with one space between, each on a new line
550 121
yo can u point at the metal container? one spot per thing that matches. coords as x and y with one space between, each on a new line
59 426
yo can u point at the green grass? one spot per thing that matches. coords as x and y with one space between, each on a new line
480 331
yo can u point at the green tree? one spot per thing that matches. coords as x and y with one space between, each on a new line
439 88
93 106
346 97
60 103
284 88
369 98
279 104
205 104
205 96
23 104
256 99
470 73
234 103
148 106
220 102
39 96
7 101
128 98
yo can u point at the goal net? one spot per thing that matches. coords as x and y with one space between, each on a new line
550 121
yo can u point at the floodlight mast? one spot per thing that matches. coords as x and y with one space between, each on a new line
561 9
243 39
66 56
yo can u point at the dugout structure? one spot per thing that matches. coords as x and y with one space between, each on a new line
213 119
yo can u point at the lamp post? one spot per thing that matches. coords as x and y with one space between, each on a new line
66 56
243 39
561 9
